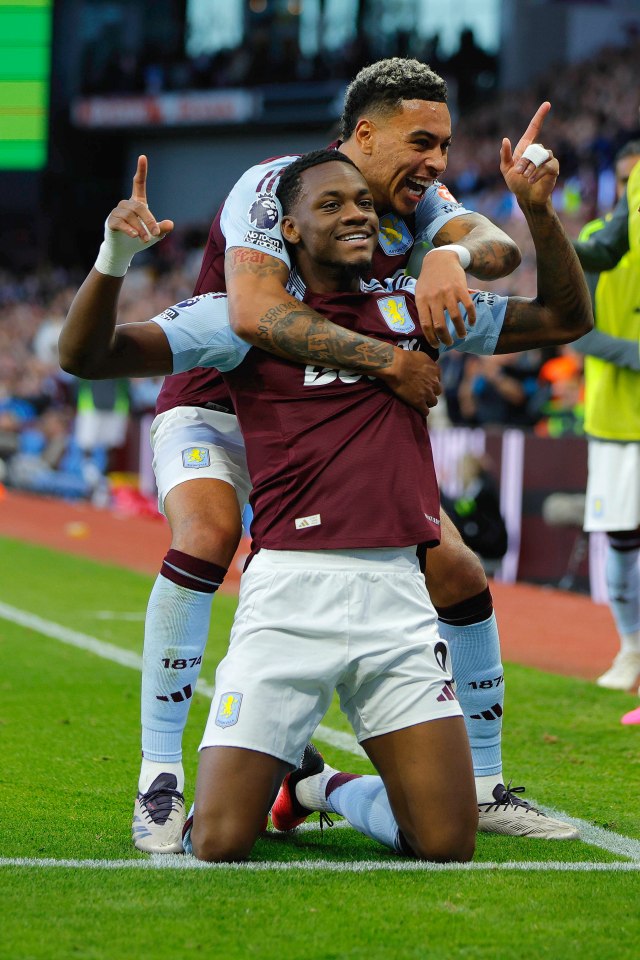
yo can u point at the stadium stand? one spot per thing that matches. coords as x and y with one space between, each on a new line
594 110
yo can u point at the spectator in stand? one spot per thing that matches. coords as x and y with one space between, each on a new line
562 413
102 419
476 511
475 71
9 440
501 390
48 461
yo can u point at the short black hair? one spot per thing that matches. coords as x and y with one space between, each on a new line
630 149
290 184
382 86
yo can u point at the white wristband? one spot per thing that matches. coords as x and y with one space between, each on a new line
117 250
463 254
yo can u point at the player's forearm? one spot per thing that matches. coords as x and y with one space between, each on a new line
266 316
86 340
493 253
92 347
562 288
292 330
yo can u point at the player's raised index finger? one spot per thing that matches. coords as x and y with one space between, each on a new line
532 133
140 180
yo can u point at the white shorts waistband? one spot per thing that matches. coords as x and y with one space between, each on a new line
369 558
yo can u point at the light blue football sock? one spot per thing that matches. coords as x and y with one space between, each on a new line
623 584
187 846
176 631
364 803
477 671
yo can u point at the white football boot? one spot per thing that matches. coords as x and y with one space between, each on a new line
512 817
623 672
158 817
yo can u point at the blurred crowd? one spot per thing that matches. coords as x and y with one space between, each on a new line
594 110
538 390
595 103
41 439
48 442
271 53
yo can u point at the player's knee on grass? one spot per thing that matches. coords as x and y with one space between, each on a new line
448 843
442 827
222 841
428 776
454 573
234 793
444 838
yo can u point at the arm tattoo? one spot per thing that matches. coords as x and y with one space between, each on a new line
561 283
562 309
491 259
522 327
297 333
493 253
241 260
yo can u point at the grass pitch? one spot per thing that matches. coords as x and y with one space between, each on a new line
69 742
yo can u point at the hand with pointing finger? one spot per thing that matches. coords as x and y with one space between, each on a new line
531 170
130 227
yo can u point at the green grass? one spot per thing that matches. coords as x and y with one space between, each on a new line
69 749
125 915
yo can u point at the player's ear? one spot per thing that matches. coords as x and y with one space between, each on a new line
289 229
364 134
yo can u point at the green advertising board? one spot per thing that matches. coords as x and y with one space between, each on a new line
25 59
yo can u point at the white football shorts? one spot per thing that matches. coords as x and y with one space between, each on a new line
192 443
311 622
613 487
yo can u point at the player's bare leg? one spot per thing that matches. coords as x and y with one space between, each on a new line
205 521
428 776
430 808
458 588
204 516
454 573
234 792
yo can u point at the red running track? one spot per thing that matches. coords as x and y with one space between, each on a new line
540 627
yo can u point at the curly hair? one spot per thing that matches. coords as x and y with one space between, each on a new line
382 86
290 183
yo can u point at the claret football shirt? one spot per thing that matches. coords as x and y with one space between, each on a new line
337 460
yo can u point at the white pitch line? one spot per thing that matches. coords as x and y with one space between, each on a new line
595 836
176 862
599 837
108 651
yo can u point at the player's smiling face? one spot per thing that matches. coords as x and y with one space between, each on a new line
333 224
403 153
